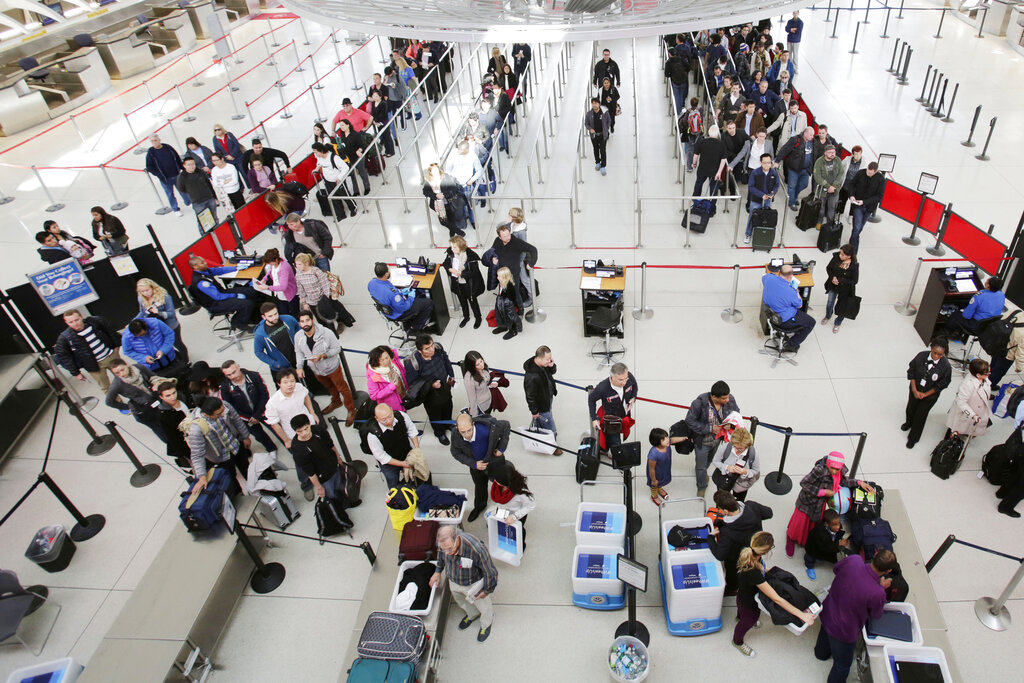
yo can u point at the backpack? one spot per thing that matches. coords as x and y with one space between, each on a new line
995 337
295 188
330 521
678 71
899 589
864 505
694 125
1000 463
371 425
871 536
194 418
947 456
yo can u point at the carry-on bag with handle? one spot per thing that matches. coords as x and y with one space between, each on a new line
763 221
587 460
543 444
201 511
948 455
830 235
807 216
278 507
381 671
390 636
419 540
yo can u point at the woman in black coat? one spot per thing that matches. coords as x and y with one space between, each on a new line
446 200
843 272
109 231
463 266
352 147
609 100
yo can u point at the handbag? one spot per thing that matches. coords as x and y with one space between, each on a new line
545 442
414 393
401 504
848 306
498 402
611 424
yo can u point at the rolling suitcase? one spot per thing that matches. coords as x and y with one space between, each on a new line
278 508
394 637
419 540
830 235
381 671
948 455
700 213
762 223
375 164
807 217
587 460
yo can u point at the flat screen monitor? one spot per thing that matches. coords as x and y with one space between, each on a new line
589 265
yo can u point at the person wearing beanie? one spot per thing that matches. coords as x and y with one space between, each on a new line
823 481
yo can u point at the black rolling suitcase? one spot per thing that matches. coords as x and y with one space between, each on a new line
587 460
700 213
763 222
830 235
807 217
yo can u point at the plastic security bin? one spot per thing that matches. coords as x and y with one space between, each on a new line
51 548
602 524
419 514
595 581
409 564
692 587
915 628
64 670
897 655
697 526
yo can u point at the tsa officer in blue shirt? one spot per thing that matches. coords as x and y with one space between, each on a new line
988 303
404 304
782 297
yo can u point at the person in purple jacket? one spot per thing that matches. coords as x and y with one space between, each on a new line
857 594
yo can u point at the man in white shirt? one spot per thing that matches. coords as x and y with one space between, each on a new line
465 167
226 180
390 436
289 400
332 168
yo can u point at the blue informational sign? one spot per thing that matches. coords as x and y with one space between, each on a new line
63 286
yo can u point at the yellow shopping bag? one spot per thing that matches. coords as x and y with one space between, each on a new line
400 516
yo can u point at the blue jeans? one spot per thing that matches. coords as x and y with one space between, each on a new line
546 421
333 487
199 207
841 653
169 188
702 457
859 214
679 93
392 475
809 561
830 305
323 263
688 150
796 182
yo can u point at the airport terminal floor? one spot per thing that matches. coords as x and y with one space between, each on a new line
852 381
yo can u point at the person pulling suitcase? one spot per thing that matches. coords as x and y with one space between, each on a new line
761 189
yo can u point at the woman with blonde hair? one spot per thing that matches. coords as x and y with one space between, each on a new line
507 305
751 577
314 289
496 64
463 266
155 302
408 77
285 202
736 466
517 222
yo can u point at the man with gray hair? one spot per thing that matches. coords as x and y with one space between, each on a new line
471 576
164 163
611 405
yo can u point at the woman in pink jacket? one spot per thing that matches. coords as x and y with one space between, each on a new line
278 280
385 377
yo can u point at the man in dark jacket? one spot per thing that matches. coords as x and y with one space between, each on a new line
741 521
51 251
929 373
797 155
615 396
606 68
822 140
133 383
522 55
164 163
541 389
247 393
866 192
598 123
476 442
707 413
677 70
89 344
508 251
761 189
310 236
196 184
268 154
430 361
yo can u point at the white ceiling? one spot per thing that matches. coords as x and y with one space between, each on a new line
535 21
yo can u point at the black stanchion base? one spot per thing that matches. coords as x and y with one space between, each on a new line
188 309
101 444
639 631
634 523
147 476
81 532
778 483
268 578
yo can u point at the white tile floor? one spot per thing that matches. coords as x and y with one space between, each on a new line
838 386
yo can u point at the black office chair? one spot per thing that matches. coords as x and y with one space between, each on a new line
222 324
400 332
84 40
605 320
963 362
775 345
30 63
16 603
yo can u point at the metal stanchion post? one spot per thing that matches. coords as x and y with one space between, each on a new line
380 216
639 222
237 116
355 79
54 205
686 224
262 135
144 475
942 18
572 226
969 142
828 12
285 114
319 117
138 149
87 526
778 482
938 554
835 25
337 55
383 55
99 444
933 91
856 34
732 314
277 72
981 25
305 38
298 59
924 85
535 314
316 78
912 238
195 77
993 613
77 129
149 93
892 61
174 132
984 150
949 110
867 12
900 15
268 575
885 29
936 249
554 100
270 55
905 307
164 209
782 230
118 204
936 110
643 313
906 65
188 117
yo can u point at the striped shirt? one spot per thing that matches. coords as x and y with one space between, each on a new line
471 563
98 348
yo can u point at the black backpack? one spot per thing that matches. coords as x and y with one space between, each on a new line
1000 464
295 188
678 71
330 520
865 506
1014 402
995 337
682 429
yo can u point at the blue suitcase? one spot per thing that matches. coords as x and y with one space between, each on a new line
381 671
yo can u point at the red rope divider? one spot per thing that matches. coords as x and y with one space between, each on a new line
935 260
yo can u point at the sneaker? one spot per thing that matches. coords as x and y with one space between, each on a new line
824 321
178 213
746 239
482 636
308 494
597 167
466 621
604 171
811 574
745 650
